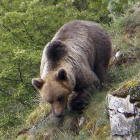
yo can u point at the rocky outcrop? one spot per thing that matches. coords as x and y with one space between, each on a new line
124 111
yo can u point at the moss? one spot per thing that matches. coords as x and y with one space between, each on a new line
89 125
131 88
102 130
130 84
22 137
38 114
112 90
134 93
40 137
124 91
102 133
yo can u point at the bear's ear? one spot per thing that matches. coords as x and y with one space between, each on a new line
61 74
37 83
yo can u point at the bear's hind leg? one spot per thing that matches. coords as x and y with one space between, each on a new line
101 72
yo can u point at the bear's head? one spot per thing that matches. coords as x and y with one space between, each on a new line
55 90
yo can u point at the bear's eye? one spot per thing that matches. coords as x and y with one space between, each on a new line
51 102
60 98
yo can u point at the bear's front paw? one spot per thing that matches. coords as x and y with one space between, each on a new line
78 102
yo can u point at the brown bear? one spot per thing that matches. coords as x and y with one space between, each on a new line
76 58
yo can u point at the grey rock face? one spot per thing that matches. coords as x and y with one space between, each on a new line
124 116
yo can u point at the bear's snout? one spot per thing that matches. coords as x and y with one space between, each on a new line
59 118
59 115
58 110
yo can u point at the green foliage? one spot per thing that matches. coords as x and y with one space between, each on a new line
118 7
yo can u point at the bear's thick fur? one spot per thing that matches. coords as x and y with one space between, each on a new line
76 58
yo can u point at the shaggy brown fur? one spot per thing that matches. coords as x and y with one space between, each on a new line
76 58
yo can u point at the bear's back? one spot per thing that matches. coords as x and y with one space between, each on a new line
77 30
85 40
87 44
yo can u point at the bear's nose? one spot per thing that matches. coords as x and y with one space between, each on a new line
59 115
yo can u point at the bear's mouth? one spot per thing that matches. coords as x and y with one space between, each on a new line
59 120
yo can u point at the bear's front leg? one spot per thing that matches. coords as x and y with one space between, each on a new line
79 101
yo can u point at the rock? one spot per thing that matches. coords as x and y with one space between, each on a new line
124 112
81 121
118 54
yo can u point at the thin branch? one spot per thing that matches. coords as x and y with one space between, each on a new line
26 30
12 79
39 28
20 75
11 32
3 92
